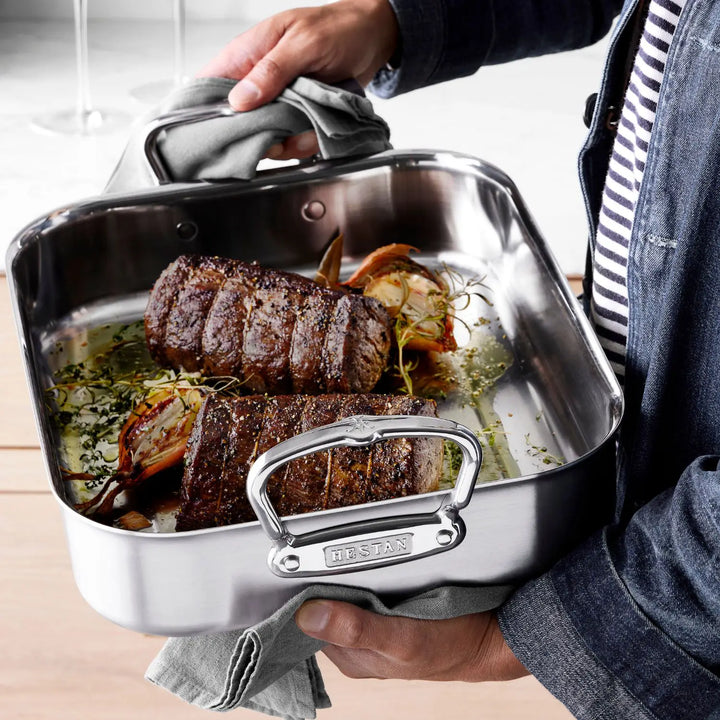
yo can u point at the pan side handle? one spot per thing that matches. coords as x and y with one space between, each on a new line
154 161
366 544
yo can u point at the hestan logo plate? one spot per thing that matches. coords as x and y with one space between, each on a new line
371 550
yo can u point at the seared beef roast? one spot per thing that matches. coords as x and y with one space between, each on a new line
230 433
277 331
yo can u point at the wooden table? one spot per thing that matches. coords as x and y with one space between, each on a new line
59 660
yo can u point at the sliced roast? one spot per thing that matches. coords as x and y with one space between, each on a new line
278 332
231 432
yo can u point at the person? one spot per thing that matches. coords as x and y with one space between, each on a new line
627 625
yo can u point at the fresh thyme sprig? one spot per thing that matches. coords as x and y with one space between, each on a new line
446 301
404 367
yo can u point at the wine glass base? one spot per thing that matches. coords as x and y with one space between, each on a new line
72 122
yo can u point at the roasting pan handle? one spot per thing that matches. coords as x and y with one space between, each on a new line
158 171
366 544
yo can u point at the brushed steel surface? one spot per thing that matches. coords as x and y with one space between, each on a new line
95 261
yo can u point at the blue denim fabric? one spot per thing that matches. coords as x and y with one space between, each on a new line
446 39
627 626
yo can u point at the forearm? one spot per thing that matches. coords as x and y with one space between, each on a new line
632 605
445 39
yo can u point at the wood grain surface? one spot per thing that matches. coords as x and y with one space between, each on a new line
59 660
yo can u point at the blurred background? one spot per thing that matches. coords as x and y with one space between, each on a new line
525 117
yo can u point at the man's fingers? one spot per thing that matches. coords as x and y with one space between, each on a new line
261 60
339 40
302 145
295 148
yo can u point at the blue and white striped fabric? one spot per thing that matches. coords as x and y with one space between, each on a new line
610 296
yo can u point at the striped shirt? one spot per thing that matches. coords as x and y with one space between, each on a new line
609 308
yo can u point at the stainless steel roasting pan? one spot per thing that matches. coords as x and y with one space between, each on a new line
94 262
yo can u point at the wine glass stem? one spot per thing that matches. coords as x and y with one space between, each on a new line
179 38
81 53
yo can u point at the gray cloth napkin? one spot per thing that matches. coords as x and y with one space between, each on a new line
271 667
231 147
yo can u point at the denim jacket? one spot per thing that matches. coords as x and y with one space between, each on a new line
627 626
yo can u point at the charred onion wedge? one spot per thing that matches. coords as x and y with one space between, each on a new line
414 296
152 439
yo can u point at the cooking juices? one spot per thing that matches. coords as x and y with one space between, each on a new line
102 373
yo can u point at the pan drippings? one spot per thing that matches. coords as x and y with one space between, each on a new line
103 374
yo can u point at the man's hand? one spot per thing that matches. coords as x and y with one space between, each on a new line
346 39
366 645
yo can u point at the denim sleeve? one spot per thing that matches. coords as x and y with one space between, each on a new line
446 39
628 625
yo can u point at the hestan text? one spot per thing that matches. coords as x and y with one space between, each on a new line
368 550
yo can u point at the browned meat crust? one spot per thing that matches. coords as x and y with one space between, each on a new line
230 433
279 332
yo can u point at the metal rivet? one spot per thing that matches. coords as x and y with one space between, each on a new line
313 210
444 537
187 230
291 563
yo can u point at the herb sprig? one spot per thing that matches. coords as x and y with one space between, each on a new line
454 294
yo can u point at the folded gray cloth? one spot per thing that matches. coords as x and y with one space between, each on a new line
271 667
231 146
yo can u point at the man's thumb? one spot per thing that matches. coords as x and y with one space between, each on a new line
337 623
267 79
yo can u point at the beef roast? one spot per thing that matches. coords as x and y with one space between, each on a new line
230 433
279 332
